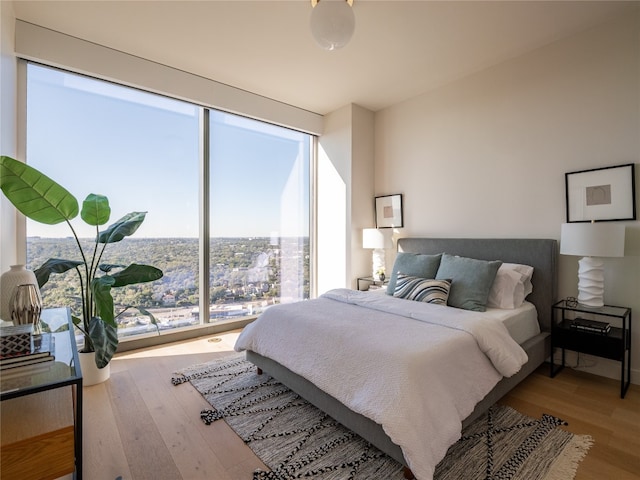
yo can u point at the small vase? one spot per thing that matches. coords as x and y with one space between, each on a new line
25 306
9 280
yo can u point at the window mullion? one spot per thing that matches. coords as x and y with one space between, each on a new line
205 237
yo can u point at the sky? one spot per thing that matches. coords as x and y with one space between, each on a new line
142 151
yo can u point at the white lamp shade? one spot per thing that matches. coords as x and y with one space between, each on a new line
592 239
332 23
374 238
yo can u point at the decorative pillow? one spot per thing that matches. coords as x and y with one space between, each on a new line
422 289
415 264
471 281
511 286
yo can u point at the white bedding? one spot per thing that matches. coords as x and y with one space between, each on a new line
417 372
522 322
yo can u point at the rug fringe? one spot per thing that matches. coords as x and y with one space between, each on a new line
565 466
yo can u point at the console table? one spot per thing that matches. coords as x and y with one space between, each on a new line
41 411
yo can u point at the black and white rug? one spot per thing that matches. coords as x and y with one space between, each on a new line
295 439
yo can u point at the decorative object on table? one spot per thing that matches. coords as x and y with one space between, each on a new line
40 351
572 302
592 241
377 240
15 340
9 280
389 211
607 193
332 23
43 200
295 439
26 306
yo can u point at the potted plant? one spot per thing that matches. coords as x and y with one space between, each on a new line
43 200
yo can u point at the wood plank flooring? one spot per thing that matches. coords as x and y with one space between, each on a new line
138 426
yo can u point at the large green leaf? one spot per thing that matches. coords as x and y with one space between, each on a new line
124 227
34 194
105 340
136 273
101 288
95 209
107 267
54 265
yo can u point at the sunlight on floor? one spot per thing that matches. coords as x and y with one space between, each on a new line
222 342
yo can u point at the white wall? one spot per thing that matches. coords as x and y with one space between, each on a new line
362 183
333 195
344 197
8 129
486 156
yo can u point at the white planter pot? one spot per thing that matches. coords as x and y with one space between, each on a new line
91 374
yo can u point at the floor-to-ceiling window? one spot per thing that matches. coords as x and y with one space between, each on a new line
259 215
143 151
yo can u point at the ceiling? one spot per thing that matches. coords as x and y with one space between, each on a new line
400 49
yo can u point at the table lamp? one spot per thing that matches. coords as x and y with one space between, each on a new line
592 241
378 240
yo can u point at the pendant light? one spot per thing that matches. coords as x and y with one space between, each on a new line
332 23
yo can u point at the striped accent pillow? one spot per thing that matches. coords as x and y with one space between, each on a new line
422 289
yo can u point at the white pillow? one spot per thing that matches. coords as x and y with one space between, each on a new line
511 286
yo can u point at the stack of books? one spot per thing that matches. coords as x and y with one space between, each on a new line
591 326
42 352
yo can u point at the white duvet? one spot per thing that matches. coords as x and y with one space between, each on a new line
417 372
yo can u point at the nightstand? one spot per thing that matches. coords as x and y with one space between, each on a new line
369 282
571 330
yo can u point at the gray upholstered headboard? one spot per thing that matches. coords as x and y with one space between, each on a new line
541 254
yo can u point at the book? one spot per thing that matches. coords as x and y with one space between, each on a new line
28 361
590 325
14 378
42 347
15 339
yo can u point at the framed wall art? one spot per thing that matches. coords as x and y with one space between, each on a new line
601 194
389 211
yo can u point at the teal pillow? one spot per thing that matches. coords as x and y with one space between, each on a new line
471 281
414 264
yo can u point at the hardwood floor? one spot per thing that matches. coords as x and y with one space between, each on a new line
139 426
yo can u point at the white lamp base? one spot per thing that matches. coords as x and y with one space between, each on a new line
591 282
378 262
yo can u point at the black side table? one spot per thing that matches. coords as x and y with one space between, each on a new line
59 449
614 344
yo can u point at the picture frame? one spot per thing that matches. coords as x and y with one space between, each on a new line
389 211
601 194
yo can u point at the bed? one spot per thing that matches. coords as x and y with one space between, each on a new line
540 254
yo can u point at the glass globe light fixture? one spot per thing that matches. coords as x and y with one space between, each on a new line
332 23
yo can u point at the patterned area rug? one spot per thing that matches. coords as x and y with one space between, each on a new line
295 439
